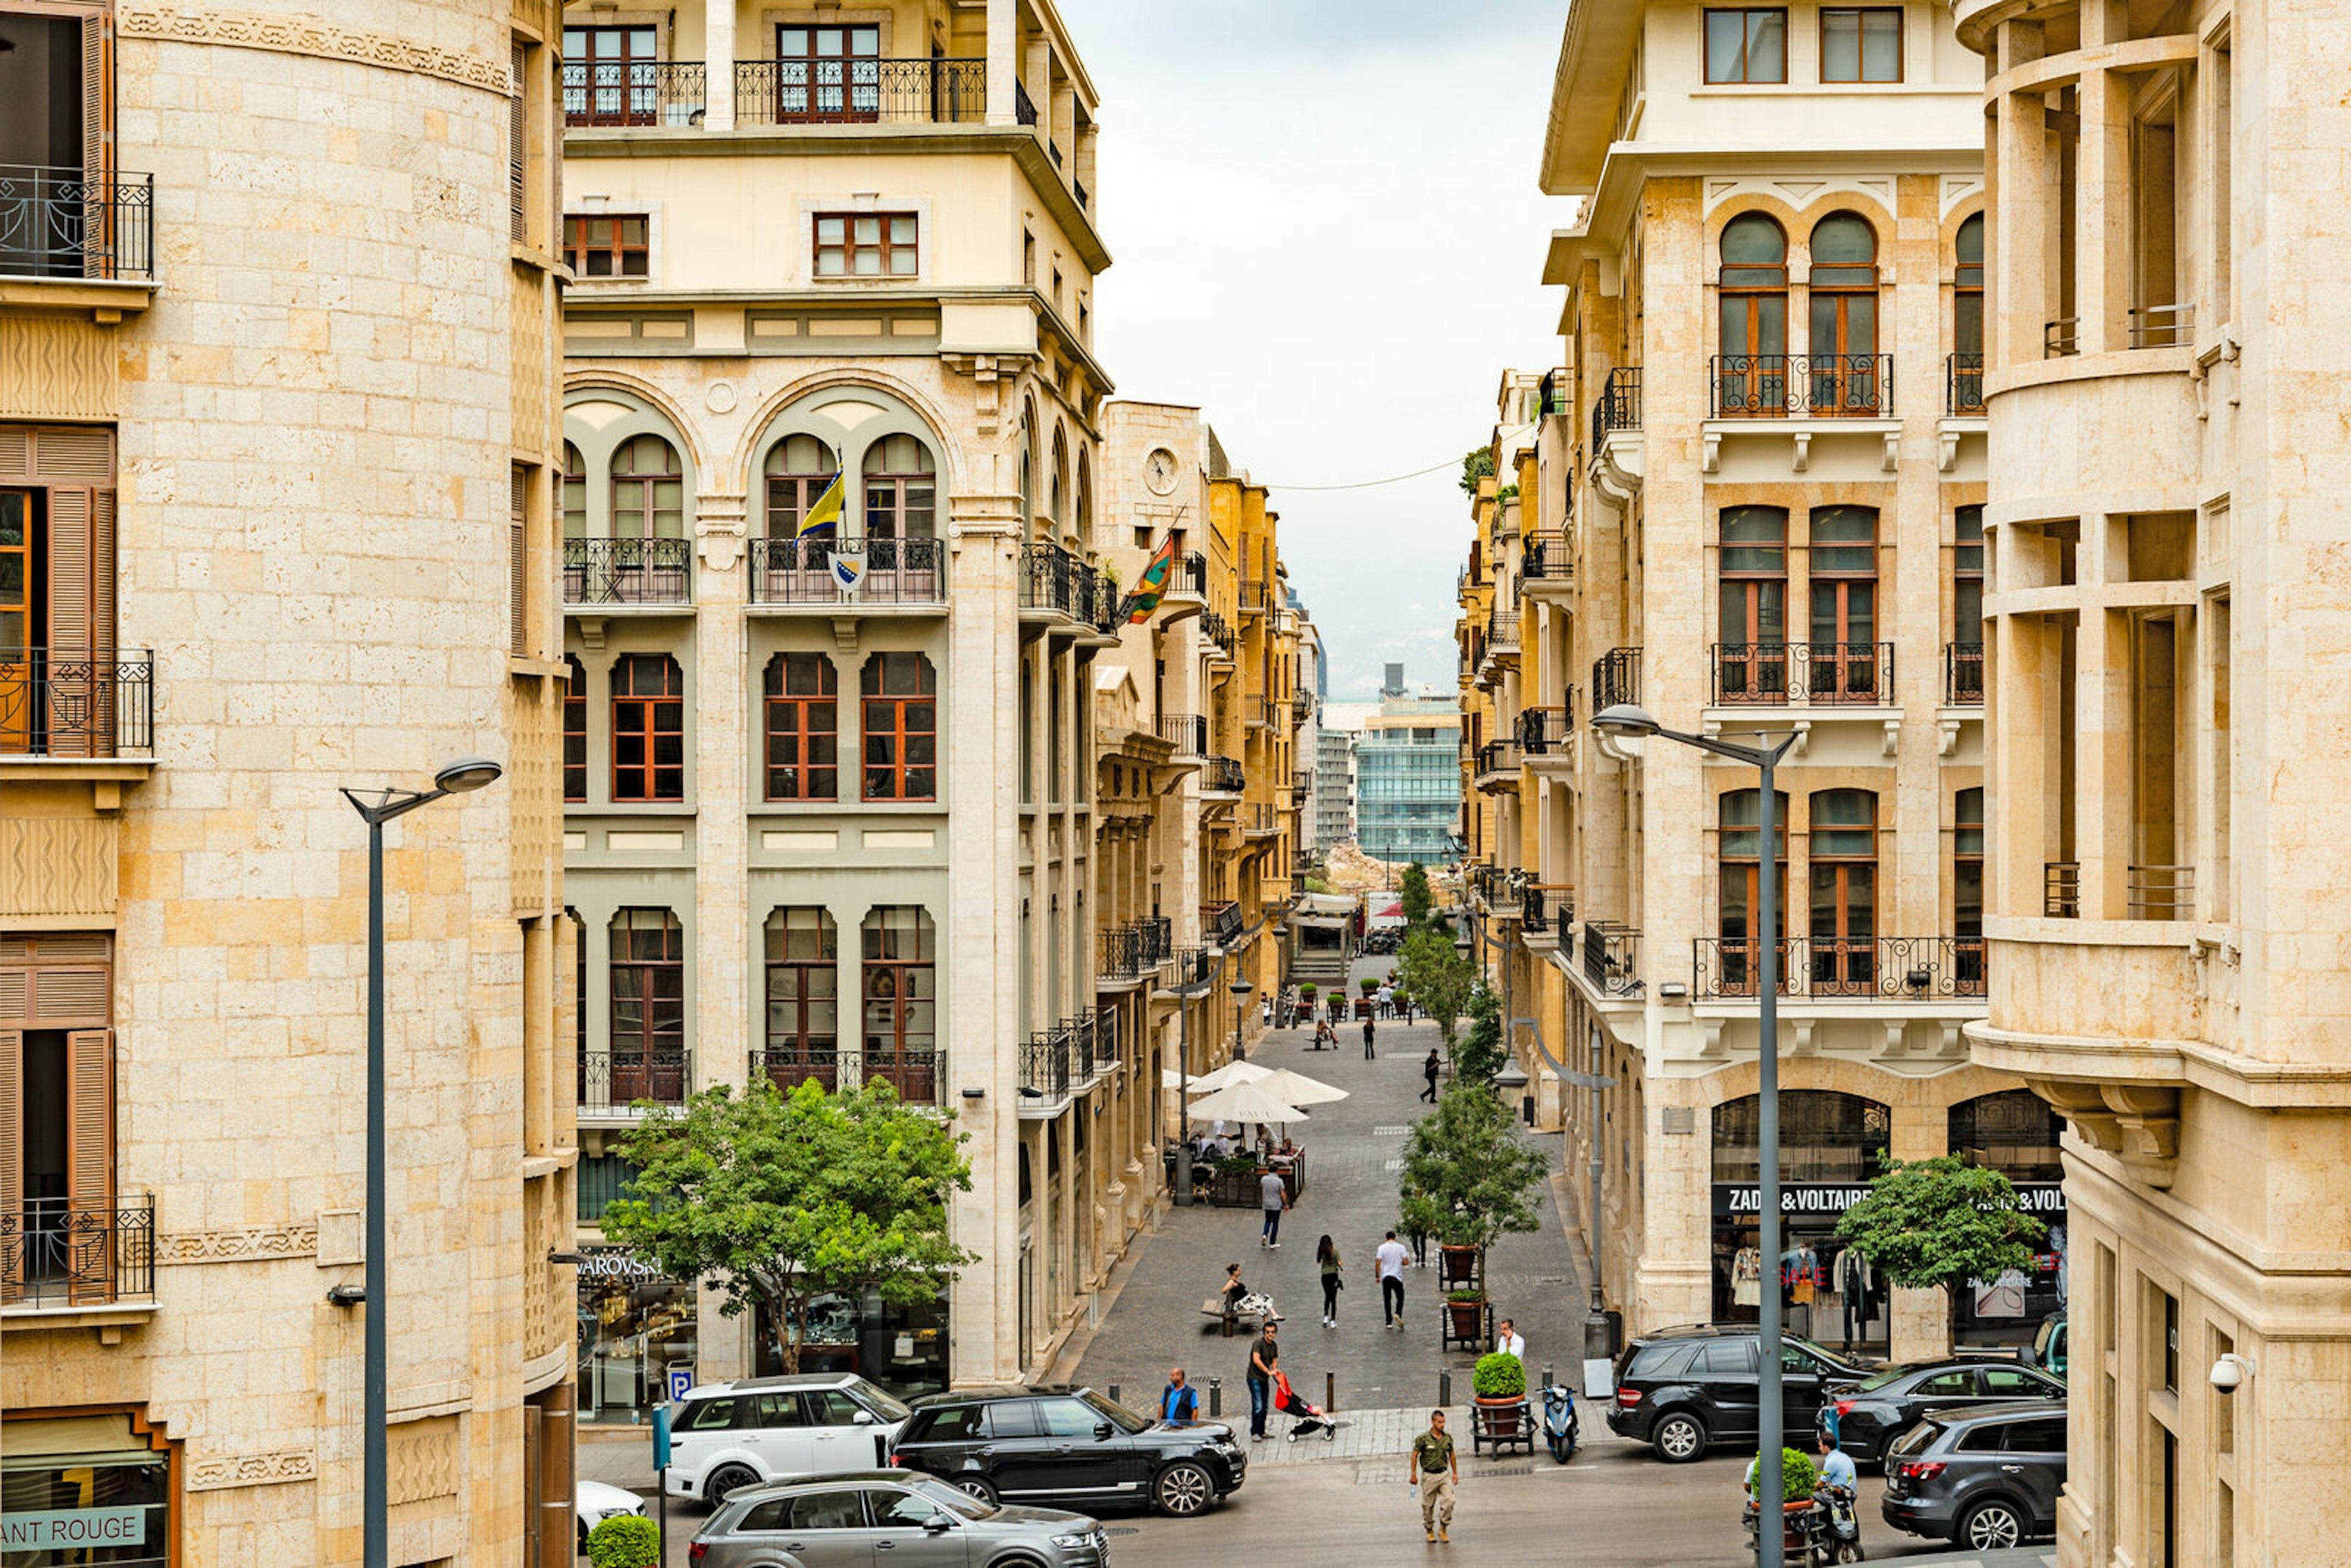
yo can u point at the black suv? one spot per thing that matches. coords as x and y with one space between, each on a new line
1071 1446
1679 1389
1882 1407
1987 1478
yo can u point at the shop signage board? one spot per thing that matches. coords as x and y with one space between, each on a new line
1734 1200
67 1529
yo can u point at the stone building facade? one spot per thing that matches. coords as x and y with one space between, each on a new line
2167 870
277 518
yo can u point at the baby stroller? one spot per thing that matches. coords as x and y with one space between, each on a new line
1304 1417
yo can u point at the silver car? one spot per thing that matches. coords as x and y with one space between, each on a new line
897 1519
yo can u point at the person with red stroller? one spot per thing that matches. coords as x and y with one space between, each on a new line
1304 1416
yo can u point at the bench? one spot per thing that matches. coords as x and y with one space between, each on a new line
1214 1307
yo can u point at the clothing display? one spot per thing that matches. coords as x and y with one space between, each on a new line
1800 1272
1747 1278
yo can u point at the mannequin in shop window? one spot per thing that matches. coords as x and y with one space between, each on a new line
1747 1276
1856 1284
1800 1269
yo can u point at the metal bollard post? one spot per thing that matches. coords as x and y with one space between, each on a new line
1329 1392
1545 1383
1444 1389
1215 1397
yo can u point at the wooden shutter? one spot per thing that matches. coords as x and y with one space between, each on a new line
518 151
90 1119
97 142
12 1159
518 566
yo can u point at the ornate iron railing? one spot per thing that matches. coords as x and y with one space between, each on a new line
1615 678
1964 675
1618 406
1047 1063
68 704
1849 675
787 1067
1814 386
1880 968
1546 910
1963 384
896 571
1187 732
1548 555
616 1080
77 1252
1214 628
55 222
634 92
1612 958
1121 953
1544 731
1496 756
2061 890
912 1073
1189 573
1108 595
1220 922
1224 777
628 571
1501 631
1024 107
860 92
1048 577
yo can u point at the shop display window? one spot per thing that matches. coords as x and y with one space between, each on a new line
900 1347
634 1324
85 1492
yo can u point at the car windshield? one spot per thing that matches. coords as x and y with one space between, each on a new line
873 1399
954 1499
1118 1416
1917 1438
1877 1380
1809 1348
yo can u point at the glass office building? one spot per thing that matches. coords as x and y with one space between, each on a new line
1408 777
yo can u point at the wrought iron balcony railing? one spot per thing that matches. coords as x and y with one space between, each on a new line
1050 578
1049 1065
1557 391
2061 890
1187 732
77 1252
1612 958
913 1072
1546 910
1615 678
896 571
1880 968
789 1066
1501 631
616 1080
1125 951
1544 731
1547 556
860 92
1618 406
1219 634
1963 384
1851 674
628 571
1496 757
61 703
1814 386
1224 777
55 222
1253 596
1964 675
1188 575
1220 922
634 92
1024 107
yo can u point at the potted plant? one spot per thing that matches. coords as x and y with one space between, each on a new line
1465 1311
1368 986
1798 1476
630 1541
1499 1382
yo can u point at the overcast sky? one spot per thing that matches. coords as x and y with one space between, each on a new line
1325 232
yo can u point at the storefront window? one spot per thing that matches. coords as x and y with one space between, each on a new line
84 1491
635 1326
2015 1133
903 1348
1831 1145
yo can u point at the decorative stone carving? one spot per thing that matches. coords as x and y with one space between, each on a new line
249 1244
211 1473
307 35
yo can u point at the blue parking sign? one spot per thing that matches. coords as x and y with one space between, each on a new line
681 1378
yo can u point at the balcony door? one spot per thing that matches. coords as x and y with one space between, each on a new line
828 75
1740 852
1753 369
61 690
648 978
1843 604
899 985
1966 319
610 76
1967 890
56 142
1751 660
1844 892
803 1006
1843 284
57 1202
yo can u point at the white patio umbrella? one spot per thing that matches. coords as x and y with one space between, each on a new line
1231 1073
1246 1102
1299 1089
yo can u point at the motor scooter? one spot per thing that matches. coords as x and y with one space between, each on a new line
1560 1428
1817 1531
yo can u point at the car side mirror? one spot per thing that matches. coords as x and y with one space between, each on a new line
864 1418
1102 1431
937 1524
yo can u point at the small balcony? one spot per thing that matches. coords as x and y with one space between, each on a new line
1870 969
1220 636
2163 325
1224 777
914 1073
1187 576
1501 632
1618 406
1963 393
1964 675
613 1082
812 572
1187 732
603 574
1495 768
1260 819
63 1253
1053 582
1050 1067
608 94
55 224
1545 731
1220 922
1546 562
860 92
1849 675
789 1067
1615 678
2159 892
1612 958
1258 710
1556 391
1301 706
1801 386
1252 597
1546 910
69 705
1130 951
2061 890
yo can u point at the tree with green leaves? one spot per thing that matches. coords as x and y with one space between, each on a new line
1418 901
779 1199
1477 464
1438 978
1467 1179
1942 1222
1479 1054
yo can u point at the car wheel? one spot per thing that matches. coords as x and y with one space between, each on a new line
1994 1527
1183 1489
978 1487
728 1479
1679 1439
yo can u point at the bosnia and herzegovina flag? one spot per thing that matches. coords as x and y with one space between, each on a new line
1152 586
824 517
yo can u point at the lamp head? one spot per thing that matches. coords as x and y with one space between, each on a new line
467 774
1511 1079
1624 719
1240 988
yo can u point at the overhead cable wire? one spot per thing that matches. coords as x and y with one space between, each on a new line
1393 479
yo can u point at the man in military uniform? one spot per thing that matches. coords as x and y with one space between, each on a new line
1436 1470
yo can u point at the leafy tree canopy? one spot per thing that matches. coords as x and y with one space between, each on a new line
1941 1221
1479 1055
1438 978
1477 464
1467 1180
1418 901
780 1200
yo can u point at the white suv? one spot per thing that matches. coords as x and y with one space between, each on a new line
728 1435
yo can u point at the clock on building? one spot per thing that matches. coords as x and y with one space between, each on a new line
1159 471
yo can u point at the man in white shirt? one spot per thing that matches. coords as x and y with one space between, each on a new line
1510 1342
1387 1263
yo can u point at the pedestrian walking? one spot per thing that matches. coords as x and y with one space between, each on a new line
1327 1254
1387 1264
1368 1053
1273 1196
1387 1000
1430 1070
1179 1402
1264 1357
1436 1470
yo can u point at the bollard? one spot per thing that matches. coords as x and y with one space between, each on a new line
1546 1381
1215 1397
1329 1392
1115 1398
1444 1389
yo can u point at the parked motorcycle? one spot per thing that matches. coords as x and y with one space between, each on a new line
1560 1429
1818 1530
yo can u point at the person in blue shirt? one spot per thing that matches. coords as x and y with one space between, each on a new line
1179 1403
1836 1466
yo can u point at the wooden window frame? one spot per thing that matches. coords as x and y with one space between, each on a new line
649 979
1842 962
882 721
1754 290
1851 670
614 74
850 247
1861 15
1968 569
625 260
810 1054
899 990
1746 13
640 715
806 71
886 508
1760 676
1970 967
635 508
791 715
575 729
1741 956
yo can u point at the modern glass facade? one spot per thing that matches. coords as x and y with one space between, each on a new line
1408 780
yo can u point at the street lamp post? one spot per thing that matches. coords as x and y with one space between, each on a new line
1628 721
377 806
1183 995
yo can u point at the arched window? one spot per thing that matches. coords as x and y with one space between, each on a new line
1752 662
898 991
1085 513
803 998
1844 892
1967 318
2013 1131
648 729
899 725
648 1042
901 489
1843 594
797 469
1061 475
1967 890
575 729
1739 848
575 492
803 728
1843 289
648 490
1824 1136
1752 376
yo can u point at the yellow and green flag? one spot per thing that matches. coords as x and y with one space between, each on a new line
824 515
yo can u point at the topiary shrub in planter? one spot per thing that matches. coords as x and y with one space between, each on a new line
1369 986
630 1541
1500 1384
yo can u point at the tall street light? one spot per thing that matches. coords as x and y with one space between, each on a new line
377 806
1630 721
1183 1075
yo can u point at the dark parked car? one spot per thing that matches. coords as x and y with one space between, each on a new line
1985 1477
1885 1405
1069 1446
893 1516
1679 1389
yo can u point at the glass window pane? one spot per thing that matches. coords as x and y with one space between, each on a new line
1840 46
869 263
1767 45
829 231
902 263
902 231
1881 45
869 231
1725 44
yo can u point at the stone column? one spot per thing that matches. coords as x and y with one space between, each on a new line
1003 59
718 64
